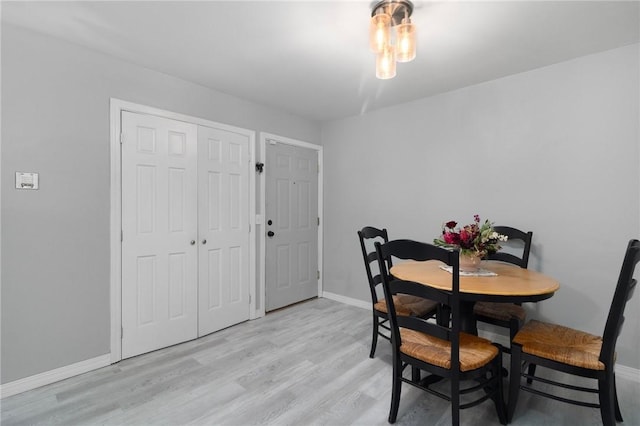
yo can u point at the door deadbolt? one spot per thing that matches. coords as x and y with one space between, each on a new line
269 222
204 241
193 242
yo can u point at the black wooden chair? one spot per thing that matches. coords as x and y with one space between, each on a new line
508 315
575 352
405 305
443 351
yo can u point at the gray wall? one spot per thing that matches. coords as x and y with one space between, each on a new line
564 137
55 241
554 150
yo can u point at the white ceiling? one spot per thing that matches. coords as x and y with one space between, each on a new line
311 58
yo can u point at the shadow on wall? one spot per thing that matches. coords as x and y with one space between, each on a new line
536 256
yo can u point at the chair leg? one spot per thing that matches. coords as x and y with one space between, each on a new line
531 371
514 380
455 402
606 390
415 374
615 400
374 337
396 388
498 399
514 327
442 315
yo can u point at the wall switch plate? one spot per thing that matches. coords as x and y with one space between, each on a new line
25 180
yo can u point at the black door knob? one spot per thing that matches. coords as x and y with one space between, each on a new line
270 234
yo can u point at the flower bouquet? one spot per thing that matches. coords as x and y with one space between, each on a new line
475 241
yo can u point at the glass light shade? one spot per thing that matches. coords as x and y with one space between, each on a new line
386 63
405 42
379 32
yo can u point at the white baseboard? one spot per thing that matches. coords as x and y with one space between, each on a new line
347 300
629 373
52 376
48 377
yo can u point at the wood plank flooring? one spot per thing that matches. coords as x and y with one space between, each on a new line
304 365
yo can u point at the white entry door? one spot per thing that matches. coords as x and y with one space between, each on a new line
223 168
159 224
292 224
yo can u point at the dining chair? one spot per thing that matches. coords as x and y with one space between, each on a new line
440 349
507 315
405 305
575 352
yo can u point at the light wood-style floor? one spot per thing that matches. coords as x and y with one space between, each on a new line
306 364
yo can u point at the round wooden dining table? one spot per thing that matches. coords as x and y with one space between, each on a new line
511 284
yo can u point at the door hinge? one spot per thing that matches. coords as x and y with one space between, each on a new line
318 221
121 235
121 332
249 299
249 228
121 138
318 274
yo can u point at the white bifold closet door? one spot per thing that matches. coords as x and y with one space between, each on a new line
159 224
223 167
185 246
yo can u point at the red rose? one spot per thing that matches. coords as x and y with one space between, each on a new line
451 238
451 224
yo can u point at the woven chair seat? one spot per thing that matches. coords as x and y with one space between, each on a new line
500 311
475 351
561 344
408 305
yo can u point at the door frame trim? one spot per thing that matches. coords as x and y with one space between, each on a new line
260 218
115 214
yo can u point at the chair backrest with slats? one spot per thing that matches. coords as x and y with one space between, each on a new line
514 234
370 256
623 293
413 250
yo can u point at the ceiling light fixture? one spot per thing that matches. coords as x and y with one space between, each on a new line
391 48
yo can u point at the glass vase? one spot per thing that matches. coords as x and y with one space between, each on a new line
469 262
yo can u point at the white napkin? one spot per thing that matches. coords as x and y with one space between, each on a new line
479 273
